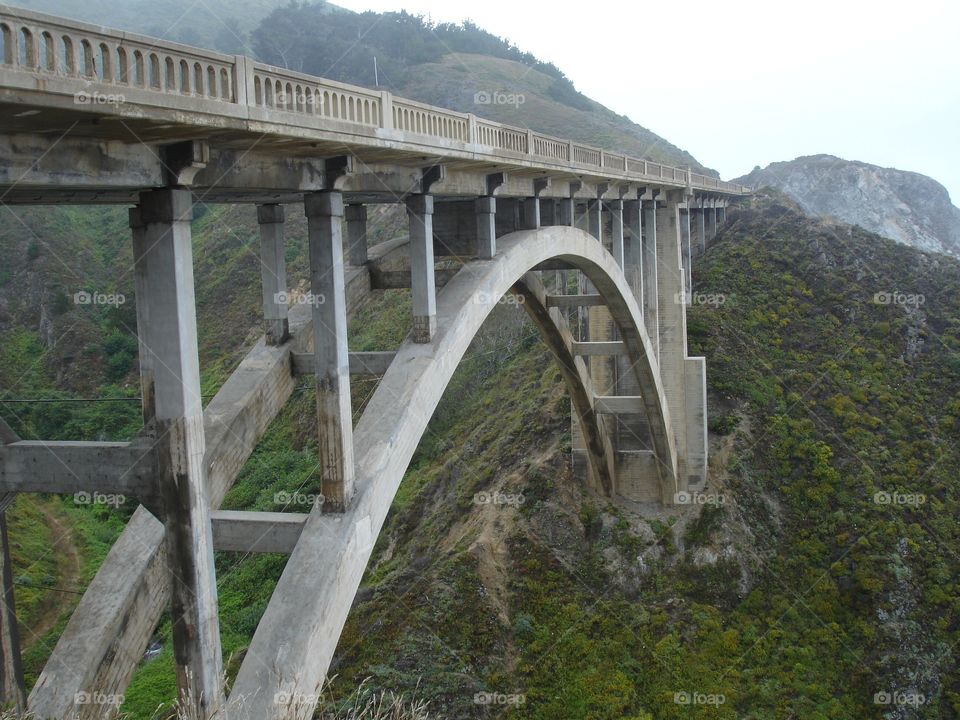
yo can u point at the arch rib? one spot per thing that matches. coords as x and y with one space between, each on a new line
297 636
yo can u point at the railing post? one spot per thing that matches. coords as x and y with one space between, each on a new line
386 110
243 84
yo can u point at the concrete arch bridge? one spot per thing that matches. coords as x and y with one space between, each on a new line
597 243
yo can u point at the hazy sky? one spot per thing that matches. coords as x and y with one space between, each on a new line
748 82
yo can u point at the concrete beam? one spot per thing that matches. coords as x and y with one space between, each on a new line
403 280
80 468
619 405
361 363
602 348
256 532
568 301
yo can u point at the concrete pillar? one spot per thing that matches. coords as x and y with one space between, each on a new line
721 214
595 219
324 211
568 212
531 213
616 233
422 281
13 692
651 313
685 248
699 232
486 208
549 212
273 273
171 342
144 359
633 248
672 321
711 213
357 234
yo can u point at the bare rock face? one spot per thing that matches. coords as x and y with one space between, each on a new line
908 207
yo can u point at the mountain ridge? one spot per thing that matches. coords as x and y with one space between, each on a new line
905 206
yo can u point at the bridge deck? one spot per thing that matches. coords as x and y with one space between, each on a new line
64 79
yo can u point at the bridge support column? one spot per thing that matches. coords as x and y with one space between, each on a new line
166 262
13 692
651 312
273 273
486 208
633 248
549 212
685 249
699 231
616 235
357 234
422 283
721 214
324 212
531 213
711 213
568 212
684 378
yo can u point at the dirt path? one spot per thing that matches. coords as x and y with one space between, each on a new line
55 603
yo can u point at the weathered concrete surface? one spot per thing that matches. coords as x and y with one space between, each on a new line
256 532
296 639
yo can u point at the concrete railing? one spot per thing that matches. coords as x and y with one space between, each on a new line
47 46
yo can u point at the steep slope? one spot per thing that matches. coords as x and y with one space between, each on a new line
817 577
908 207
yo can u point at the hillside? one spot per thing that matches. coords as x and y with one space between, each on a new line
217 24
800 589
908 207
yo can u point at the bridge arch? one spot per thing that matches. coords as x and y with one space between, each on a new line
295 641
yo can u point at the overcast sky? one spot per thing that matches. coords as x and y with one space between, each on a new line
749 82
